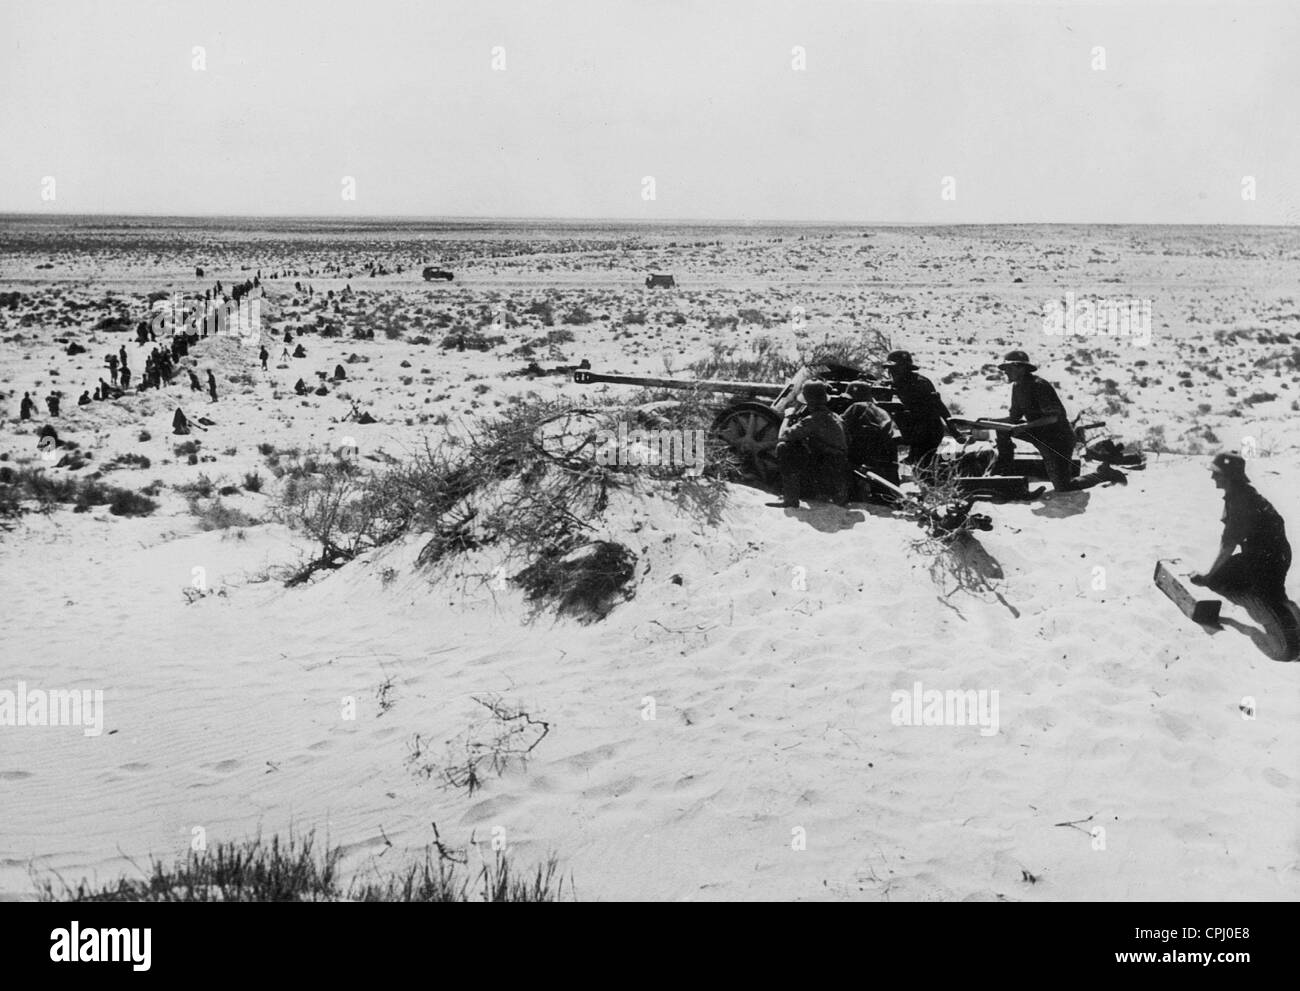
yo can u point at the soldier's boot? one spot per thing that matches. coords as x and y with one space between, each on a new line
790 459
790 489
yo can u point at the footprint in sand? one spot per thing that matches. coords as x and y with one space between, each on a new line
1276 778
491 809
588 759
613 789
134 766
14 775
224 767
1178 727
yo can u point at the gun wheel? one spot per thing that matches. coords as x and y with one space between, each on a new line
750 430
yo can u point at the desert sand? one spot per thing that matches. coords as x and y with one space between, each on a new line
1138 755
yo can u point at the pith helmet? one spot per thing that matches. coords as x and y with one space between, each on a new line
1018 358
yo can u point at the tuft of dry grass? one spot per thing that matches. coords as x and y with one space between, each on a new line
297 870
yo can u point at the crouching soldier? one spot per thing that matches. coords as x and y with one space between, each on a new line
811 450
1251 523
871 437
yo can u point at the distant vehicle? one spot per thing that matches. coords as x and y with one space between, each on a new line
660 282
431 274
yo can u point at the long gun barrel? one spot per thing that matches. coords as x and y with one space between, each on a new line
582 376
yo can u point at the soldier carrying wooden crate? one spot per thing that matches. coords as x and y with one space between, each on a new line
1251 523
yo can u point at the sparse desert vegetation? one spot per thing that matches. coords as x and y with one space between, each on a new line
299 870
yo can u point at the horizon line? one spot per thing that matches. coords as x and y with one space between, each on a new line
631 221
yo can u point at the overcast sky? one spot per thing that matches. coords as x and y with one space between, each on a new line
701 95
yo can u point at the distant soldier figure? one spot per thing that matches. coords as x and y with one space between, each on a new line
126 377
1038 416
195 384
300 352
26 407
212 385
52 403
811 448
180 425
300 387
111 361
84 400
121 356
870 433
264 355
1252 524
924 418
339 373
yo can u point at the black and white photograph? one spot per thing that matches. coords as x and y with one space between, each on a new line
674 451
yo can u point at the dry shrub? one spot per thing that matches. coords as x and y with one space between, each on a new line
954 557
216 515
528 484
861 348
506 737
586 583
766 359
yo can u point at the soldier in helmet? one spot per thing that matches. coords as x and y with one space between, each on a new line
1252 524
810 449
870 433
1038 416
924 418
